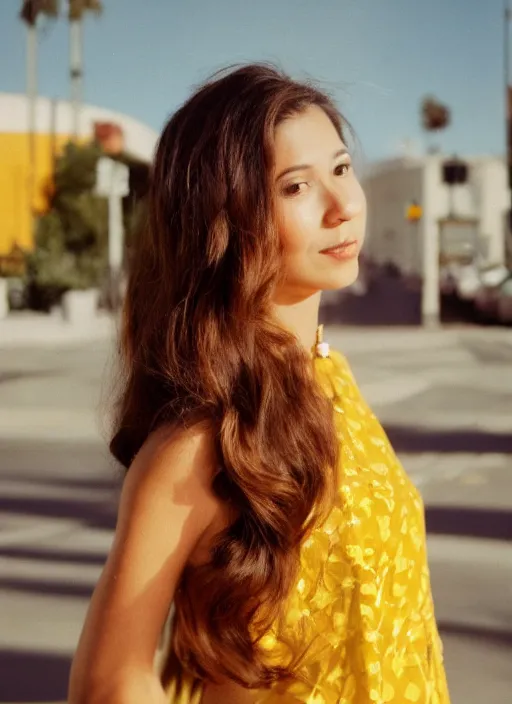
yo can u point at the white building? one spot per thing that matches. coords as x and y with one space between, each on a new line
55 117
27 162
480 205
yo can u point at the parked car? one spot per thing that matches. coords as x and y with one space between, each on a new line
467 282
494 276
448 279
505 301
488 295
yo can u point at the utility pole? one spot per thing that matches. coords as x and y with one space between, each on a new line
32 112
31 11
508 106
76 70
77 11
507 15
29 14
506 78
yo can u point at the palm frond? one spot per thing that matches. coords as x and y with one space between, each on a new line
77 8
31 9
435 116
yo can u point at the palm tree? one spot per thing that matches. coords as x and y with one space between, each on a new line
29 14
77 10
434 116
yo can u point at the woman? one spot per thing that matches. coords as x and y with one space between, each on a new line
263 499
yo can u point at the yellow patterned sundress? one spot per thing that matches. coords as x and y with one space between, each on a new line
359 625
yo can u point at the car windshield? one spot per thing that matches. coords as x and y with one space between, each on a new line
506 287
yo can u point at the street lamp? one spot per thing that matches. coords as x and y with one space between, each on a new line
507 15
508 97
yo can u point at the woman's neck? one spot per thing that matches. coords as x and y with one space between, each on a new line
301 318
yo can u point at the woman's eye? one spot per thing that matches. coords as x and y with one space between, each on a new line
342 169
293 189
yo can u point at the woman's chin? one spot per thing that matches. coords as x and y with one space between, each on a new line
345 276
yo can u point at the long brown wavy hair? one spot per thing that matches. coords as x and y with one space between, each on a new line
200 343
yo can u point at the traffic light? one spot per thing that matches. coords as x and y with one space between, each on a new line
414 212
455 172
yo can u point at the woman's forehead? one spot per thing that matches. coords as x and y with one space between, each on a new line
306 138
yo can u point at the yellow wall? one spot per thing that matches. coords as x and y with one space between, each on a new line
15 220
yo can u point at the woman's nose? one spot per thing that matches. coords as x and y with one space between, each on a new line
341 207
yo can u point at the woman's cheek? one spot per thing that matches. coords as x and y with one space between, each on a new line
298 226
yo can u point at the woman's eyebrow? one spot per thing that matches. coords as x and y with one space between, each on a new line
304 167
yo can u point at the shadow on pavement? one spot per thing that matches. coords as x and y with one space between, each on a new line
458 520
418 440
95 514
470 522
498 637
75 589
33 677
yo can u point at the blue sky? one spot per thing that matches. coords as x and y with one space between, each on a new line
378 57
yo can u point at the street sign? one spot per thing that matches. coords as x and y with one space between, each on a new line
112 178
113 182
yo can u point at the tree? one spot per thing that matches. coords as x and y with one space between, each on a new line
434 116
72 237
76 11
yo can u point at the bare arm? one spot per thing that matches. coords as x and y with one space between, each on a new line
166 506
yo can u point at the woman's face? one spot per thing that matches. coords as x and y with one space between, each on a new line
320 206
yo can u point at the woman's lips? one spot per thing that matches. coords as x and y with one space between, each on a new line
343 251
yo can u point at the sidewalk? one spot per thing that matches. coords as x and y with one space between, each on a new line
26 329
53 375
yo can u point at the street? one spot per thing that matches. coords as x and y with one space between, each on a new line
445 398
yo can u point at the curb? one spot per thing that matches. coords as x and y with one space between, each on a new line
43 330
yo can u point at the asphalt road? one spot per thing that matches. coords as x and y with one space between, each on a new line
445 401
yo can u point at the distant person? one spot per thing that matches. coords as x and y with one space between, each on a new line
262 501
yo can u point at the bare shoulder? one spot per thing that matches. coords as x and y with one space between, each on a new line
180 463
172 476
170 481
